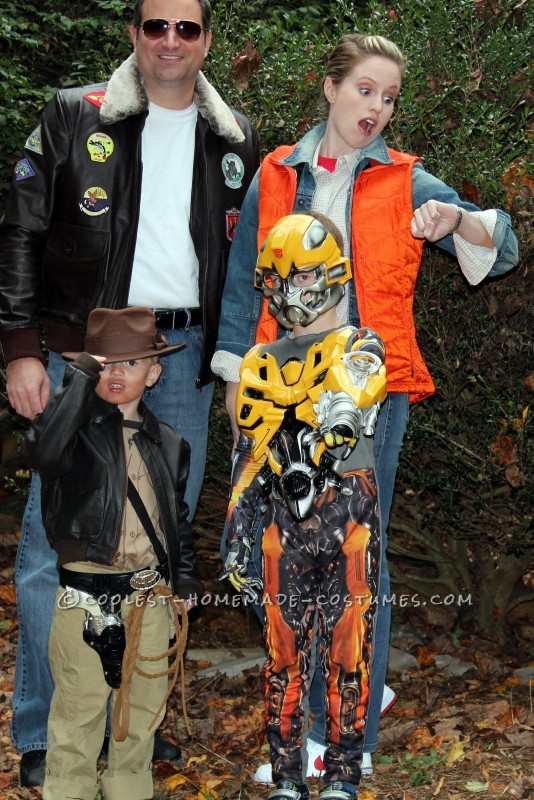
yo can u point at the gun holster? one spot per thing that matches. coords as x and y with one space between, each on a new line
105 634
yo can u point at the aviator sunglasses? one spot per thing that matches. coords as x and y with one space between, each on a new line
157 28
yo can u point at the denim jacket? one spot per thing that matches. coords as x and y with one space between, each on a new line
241 302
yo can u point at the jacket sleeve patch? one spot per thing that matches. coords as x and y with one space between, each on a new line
96 98
34 141
233 170
100 146
232 215
23 170
94 202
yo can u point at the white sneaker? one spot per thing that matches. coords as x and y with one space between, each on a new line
316 751
366 764
389 699
264 774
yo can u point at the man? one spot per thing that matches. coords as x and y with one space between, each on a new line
127 194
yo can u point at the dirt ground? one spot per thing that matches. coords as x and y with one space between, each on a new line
447 737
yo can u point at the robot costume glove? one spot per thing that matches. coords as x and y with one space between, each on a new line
339 419
250 588
235 569
338 436
236 557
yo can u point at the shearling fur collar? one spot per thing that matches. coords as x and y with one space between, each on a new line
126 95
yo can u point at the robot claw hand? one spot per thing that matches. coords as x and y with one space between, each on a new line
339 420
250 588
236 560
236 557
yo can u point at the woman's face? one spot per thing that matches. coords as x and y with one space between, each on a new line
362 104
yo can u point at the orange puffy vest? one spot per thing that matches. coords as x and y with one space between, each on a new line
386 259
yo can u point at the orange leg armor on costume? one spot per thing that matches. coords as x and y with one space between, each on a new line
327 564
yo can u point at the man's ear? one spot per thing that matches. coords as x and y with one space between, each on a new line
207 43
133 35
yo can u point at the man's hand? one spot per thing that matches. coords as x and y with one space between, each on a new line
28 386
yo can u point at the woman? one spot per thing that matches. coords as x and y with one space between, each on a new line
386 205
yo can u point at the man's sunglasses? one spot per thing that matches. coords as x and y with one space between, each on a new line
157 28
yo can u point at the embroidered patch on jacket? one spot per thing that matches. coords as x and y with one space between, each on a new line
94 202
233 170
23 170
96 98
100 146
232 215
34 141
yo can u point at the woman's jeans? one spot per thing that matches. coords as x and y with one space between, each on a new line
175 400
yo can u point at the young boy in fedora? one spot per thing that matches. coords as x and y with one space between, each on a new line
113 481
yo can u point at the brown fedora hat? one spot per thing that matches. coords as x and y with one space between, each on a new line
124 334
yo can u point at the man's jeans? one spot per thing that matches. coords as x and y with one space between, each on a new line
175 400
389 435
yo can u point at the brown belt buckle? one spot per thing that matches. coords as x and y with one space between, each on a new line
145 579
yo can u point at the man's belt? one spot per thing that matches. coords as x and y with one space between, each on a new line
171 318
111 584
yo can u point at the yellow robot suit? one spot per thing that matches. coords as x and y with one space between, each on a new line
308 405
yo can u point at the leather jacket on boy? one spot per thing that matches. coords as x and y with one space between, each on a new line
80 457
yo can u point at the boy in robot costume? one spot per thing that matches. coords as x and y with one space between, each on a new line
307 406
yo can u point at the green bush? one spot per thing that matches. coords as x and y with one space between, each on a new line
463 107
47 46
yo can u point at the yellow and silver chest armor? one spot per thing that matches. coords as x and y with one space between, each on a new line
305 409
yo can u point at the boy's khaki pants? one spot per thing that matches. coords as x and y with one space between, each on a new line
77 720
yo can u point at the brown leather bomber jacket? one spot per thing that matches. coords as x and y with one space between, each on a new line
67 240
76 445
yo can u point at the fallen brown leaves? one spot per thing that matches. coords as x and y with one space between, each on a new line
450 738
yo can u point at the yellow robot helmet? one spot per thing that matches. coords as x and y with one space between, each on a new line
301 269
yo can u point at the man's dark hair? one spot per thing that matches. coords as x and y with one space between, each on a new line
205 10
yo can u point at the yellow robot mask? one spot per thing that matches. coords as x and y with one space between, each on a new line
301 270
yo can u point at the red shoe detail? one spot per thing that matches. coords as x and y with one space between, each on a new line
390 705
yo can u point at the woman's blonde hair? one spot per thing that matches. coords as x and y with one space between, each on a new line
354 48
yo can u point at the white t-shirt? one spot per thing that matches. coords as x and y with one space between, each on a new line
165 268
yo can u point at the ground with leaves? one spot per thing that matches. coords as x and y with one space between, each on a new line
451 738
